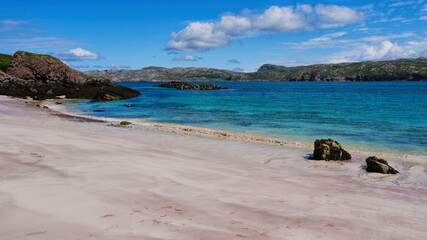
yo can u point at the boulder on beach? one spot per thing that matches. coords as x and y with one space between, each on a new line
188 86
379 165
329 149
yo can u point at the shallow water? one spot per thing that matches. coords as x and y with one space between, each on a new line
370 116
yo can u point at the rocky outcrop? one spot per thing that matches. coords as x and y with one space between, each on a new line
42 76
329 149
43 68
188 86
379 165
7 81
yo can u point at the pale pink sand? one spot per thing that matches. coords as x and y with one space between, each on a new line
74 180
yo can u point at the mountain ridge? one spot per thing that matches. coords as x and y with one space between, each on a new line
413 69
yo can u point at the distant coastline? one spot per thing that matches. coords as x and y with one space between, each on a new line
392 70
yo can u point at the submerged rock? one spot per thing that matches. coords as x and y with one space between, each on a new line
42 76
379 165
188 86
329 149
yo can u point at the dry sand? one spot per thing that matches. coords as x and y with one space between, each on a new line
67 178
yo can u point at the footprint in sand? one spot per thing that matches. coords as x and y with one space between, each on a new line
177 210
36 233
236 222
166 207
111 227
37 155
241 235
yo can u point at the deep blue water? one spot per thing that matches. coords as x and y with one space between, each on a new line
374 116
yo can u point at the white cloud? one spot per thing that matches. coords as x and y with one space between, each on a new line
386 37
11 25
330 40
325 39
34 43
234 25
197 37
203 36
185 58
380 51
384 50
424 9
78 54
280 19
399 4
335 16
392 19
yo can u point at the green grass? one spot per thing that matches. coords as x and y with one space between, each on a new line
4 62
124 123
35 55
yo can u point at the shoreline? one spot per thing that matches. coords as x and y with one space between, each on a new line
207 132
67 177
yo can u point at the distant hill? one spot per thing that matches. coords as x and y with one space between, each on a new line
168 74
392 70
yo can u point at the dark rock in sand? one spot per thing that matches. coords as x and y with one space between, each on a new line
188 86
329 149
379 165
42 76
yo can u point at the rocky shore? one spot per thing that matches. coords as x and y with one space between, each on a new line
44 77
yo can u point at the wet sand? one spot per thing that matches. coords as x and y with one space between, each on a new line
68 178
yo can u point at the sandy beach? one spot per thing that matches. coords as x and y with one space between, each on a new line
73 178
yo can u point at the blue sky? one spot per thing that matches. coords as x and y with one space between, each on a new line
240 35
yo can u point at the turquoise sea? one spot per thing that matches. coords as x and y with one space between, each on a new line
372 116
